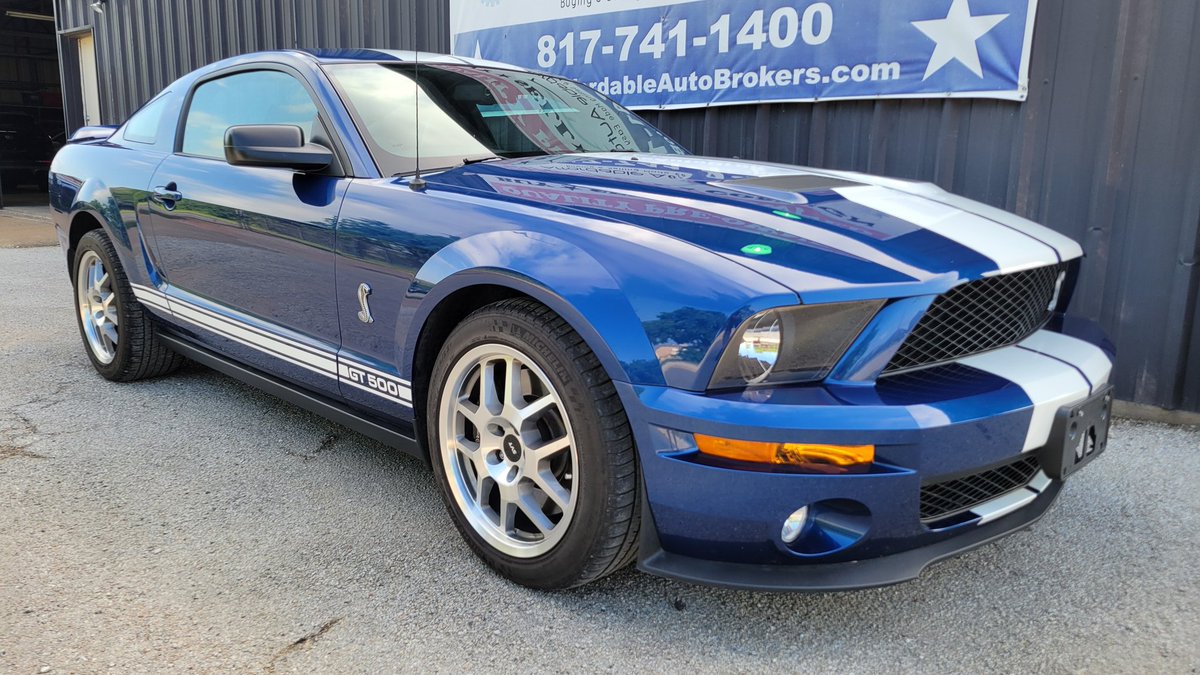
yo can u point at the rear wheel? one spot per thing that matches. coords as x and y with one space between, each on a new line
118 333
532 448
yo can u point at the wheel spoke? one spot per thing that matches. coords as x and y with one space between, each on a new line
466 446
489 395
109 331
547 483
102 281
534 512
537 407
550 448
513 391
483 488
471 412
508 513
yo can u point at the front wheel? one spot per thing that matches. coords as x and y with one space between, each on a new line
532 449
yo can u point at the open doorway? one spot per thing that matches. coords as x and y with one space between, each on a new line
31 116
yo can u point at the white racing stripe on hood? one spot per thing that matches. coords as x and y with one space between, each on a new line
714 165
1012 251
810 233
1048 382
1087 357
1065 247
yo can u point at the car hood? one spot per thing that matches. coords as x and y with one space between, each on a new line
827 235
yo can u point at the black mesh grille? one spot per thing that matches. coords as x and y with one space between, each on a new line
978 316
947 498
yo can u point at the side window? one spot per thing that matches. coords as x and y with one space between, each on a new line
253 97
144 125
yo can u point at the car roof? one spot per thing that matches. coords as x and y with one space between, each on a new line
329 56
322 57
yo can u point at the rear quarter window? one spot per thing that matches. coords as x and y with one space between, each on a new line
146 124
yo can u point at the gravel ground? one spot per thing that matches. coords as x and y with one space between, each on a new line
192 523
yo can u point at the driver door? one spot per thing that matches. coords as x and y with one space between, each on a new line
247 252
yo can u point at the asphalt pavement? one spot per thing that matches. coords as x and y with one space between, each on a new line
193 523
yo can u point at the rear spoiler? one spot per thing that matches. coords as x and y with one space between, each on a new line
89 134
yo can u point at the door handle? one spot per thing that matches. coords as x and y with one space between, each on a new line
166 195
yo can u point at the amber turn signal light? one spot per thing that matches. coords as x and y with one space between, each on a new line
812 456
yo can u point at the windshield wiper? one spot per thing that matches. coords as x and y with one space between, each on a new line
477 160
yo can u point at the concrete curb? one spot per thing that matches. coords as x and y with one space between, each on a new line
1148 413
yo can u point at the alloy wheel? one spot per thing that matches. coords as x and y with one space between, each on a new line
97 307
508 450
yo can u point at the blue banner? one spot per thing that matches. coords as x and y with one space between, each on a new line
690 53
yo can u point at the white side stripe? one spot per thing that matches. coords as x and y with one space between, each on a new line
152 301
241 324
1085 356
1011 250
184 315
1048 382
309 357
385 385
325 364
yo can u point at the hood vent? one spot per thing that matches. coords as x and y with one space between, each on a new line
801 182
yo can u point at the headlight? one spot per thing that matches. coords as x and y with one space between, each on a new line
791 344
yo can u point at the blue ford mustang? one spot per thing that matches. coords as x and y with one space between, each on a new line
609 350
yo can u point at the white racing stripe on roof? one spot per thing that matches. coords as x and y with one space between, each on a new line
1011 250
1048 382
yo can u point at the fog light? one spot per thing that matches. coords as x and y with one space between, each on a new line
814 457
794 525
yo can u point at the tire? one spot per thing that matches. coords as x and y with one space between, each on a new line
589 514
118 334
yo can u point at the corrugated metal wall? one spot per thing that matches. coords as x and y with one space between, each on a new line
142 45
1105 149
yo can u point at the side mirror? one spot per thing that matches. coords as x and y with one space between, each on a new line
275 145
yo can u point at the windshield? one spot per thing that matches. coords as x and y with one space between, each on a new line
471 113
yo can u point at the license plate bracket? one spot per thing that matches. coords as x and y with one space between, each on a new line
1079 434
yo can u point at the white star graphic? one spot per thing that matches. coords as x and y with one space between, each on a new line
956 36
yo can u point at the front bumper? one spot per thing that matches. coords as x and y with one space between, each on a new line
721 525
841 576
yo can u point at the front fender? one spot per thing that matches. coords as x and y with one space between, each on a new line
556 273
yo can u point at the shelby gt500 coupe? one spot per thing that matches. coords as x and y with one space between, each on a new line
609 350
